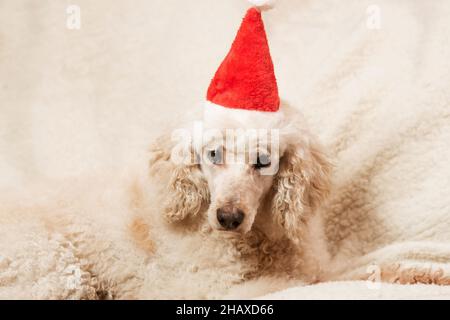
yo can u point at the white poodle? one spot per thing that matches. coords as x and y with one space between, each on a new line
210 229
230 222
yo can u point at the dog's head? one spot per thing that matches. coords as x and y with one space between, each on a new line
232 174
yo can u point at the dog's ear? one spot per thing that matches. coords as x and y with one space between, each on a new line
187 190
301 184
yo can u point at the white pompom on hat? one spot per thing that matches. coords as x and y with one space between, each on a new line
263 4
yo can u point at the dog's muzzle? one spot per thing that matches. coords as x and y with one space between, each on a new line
229 217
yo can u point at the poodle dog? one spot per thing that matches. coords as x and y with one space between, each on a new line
201 226
239 208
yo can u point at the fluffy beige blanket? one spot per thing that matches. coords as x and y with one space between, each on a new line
373 81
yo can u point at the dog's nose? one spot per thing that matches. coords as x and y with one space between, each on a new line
229 217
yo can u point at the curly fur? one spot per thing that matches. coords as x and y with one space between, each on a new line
275 244
301 185
189 193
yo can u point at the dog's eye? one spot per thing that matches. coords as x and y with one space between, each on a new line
215 156
263 161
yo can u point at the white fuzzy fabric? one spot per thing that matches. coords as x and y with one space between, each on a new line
214 116
362 290
75 103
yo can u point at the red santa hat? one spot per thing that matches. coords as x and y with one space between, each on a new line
245 86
